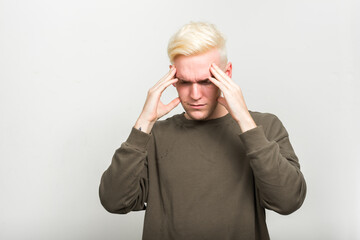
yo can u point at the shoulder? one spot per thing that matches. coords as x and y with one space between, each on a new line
171 122
271 124
263 118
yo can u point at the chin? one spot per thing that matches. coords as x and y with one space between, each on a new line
198 115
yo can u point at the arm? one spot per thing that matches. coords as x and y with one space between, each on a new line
280 184
233 99
154 108
124 185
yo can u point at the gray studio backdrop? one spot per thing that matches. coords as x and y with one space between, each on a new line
74 76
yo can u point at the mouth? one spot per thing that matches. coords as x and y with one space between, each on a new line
197 106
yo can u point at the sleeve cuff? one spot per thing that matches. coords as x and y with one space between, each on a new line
138 138
254 139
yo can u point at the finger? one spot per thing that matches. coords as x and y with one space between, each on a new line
217 71
165 85
217 83
155 93
162 86
220 78
170 74
168 77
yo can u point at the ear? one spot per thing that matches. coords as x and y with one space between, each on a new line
171 66
228 69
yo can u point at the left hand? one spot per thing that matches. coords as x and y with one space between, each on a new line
233 99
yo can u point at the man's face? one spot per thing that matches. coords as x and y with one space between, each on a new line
197 93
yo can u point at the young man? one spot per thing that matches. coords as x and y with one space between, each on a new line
208 173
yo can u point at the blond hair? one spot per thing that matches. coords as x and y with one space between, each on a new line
196 38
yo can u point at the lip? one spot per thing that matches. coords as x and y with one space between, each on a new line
197 106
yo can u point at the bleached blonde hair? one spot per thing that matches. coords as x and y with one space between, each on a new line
196 38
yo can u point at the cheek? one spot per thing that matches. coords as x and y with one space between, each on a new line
212 91
181 91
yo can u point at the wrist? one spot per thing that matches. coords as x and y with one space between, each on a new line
246 122
143 125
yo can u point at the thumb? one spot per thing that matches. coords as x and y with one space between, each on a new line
222 101
170 106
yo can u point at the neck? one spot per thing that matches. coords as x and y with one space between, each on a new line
219 112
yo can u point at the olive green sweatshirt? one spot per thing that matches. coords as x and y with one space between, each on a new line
205 179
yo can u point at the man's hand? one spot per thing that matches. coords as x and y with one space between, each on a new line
233 99
154 108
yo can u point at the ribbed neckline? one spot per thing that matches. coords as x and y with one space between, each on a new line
182 120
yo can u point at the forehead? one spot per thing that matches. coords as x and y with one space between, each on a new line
196 67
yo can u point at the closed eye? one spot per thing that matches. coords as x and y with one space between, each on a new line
182 82
205 82
201 82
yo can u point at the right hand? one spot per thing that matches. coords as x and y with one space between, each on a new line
154 108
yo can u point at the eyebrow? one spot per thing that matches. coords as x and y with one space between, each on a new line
199 81
204 80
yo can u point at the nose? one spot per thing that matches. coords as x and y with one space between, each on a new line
195 91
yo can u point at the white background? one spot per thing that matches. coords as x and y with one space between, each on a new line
74 76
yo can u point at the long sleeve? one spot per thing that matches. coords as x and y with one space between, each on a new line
124 185
280 184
